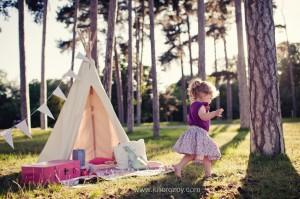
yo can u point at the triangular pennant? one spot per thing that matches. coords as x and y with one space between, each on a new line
70 73
6 134
81 56
24 128
44 109
58 92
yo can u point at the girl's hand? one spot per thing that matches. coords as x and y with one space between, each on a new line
219 112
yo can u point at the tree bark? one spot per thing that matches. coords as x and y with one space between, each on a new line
183 93
241 70
190 45
142 45
265 113
141 66
119 86
155 101
111 23
138 73
43 86
218 99
76 7
25 100
130 112
228 84
93 28
183 83
293 92
201 40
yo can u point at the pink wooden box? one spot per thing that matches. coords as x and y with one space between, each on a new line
50 172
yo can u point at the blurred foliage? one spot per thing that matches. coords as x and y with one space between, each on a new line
284 77
5 5
10 101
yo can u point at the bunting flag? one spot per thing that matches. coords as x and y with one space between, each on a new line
70 73
6 134
24 128
81 56
58 93
44 109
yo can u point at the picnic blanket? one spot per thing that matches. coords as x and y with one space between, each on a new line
115 173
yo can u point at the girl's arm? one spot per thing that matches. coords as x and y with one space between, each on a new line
209 115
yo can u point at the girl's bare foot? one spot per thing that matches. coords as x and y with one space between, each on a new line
177 171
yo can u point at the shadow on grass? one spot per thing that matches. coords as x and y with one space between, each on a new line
11 184
220 129
7 184
270 177
266 177
235 141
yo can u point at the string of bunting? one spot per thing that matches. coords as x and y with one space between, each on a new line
7 133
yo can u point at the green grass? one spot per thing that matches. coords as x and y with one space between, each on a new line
240 175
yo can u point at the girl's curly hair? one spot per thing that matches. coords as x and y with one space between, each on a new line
198 87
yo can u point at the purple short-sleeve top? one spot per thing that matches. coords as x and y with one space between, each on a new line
193 117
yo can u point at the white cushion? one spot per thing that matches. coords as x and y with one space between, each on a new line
121 155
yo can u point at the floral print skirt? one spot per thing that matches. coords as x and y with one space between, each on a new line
196 141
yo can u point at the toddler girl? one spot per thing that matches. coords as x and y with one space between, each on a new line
195 143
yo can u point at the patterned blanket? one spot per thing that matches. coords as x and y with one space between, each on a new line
114 173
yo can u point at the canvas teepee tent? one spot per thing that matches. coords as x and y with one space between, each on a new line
86 121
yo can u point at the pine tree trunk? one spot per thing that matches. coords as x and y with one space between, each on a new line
25 100
294 102
201 40
291 74
155 101
218 99
138 73
111 23
190 45
76 8
228 85
119 86
183 81
43 86
183 93
141 66
265 113
229 99
130 112
241 70
93 28
142 45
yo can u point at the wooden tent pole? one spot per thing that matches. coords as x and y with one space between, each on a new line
93 123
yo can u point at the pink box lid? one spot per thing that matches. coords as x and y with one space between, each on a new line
51 163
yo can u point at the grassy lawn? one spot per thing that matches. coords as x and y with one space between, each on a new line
240 175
